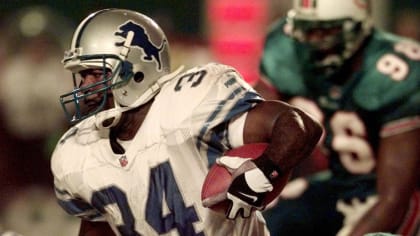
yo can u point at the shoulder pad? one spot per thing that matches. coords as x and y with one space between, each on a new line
279 62
390 73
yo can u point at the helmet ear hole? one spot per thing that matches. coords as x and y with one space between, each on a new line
138 76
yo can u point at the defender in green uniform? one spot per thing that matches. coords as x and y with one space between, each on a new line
363 85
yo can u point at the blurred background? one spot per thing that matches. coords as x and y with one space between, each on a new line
33 38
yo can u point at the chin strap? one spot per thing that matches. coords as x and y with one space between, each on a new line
116 112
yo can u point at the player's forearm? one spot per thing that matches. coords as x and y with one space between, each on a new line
88 228
382 217
397 156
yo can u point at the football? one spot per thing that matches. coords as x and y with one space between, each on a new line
218 178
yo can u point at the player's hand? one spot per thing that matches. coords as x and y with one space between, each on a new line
248 188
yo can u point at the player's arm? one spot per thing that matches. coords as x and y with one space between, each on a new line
291 133
90 228
291 136
266 90
398 174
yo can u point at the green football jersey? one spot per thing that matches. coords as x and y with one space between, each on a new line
384 88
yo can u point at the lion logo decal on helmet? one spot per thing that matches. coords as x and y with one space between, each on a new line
142 41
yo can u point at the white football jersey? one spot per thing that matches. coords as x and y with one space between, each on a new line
154 187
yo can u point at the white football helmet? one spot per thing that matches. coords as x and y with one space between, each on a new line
126 43
350 19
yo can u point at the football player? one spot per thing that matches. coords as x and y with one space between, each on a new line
362 84
144 136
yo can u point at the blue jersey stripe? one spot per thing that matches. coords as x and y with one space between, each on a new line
249 99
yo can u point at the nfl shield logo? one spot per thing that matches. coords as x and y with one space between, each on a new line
123 161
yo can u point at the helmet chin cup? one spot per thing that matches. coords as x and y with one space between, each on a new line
108 118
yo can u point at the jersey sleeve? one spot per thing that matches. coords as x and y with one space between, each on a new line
279 63
203 101
69 186
75 206
228 97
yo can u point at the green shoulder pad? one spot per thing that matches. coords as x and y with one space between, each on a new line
279 62
389 75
